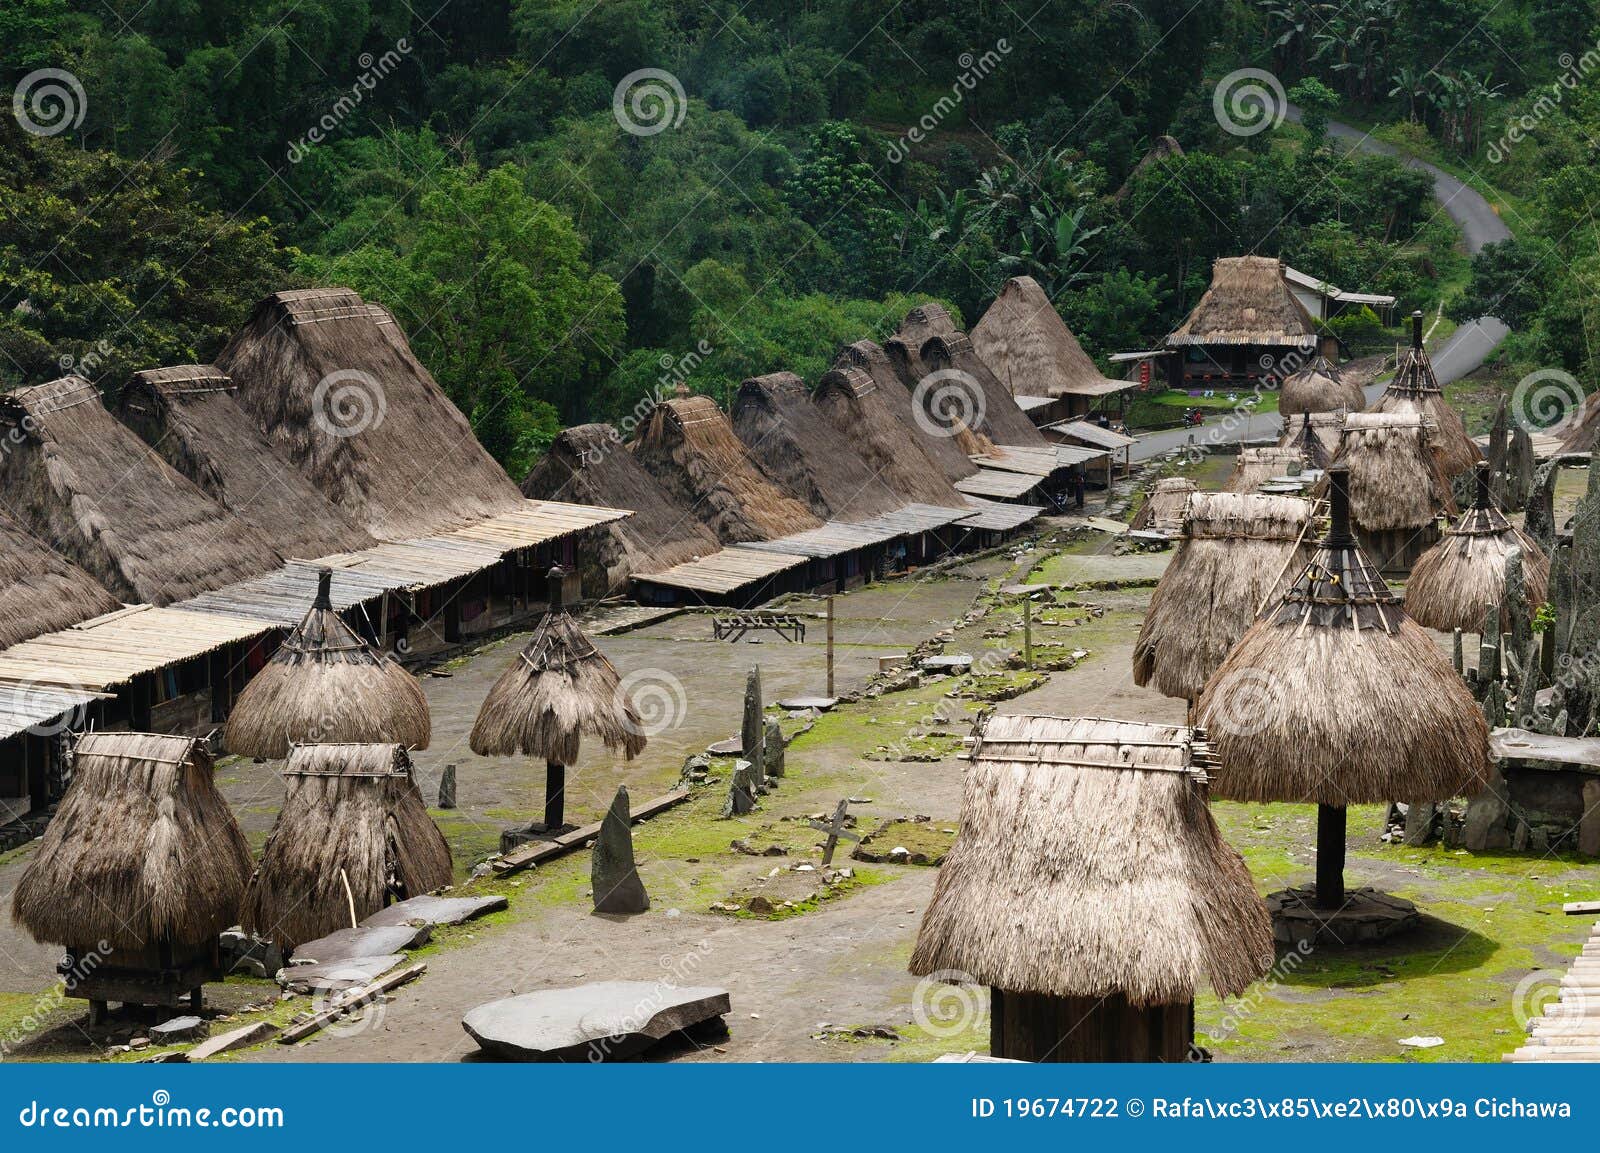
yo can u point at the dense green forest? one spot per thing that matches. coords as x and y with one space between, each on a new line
570 204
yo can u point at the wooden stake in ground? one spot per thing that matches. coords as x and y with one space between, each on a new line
830 648
835 830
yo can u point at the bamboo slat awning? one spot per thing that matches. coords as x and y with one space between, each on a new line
536 522
1039 462
988 482
22 706
724 572
833 539
995 517
1091 434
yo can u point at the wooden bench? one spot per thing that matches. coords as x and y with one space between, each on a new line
734 627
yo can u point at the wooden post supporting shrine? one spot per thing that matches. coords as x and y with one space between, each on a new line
1331 823
555 796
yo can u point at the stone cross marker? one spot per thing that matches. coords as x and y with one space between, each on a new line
835 830
613 876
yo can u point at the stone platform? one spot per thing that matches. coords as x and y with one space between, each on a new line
1366 916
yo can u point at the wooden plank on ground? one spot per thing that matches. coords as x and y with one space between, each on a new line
1580 908
537 852
353 999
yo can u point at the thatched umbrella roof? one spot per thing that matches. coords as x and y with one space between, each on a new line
970 380
1162 510
1249 303
142 850
352 814
1415 390
77 477
1396 479
1088 865
325 684
690 449
1030 348
856 407
589 464
1314 435
1453 584
1320 387
800 452
41 591
952 454
1336 697
1238 553
1254 467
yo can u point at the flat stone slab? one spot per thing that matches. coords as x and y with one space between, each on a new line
336 976
1367 916
601 1021
435 911
188 1028
821 704
731 747
957 663
347 943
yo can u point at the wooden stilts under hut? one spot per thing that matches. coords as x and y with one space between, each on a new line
1415 391
1336 697
1090 889
559 688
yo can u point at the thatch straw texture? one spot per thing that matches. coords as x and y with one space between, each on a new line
800 452
689 447
143 849
1238 553
1320 387
1396 481
854 404
1001 420
1453 584
1254 467
953 455
1162 510
337 388
79 479
1250 303
1315 435
559 689
190 415
351 813
325 685
1030 348
41 591
1088 865
904 348
1582 436
1415 391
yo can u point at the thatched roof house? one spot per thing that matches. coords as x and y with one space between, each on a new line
41 591
952 454
1398 489
1314 435
1164 148
689 447
143 852
588 464
352 814
800 452
190 415
1238 553
1246 327
1415 391
1090 889
904 348
955 368
78 478
1453 584
1163 508
1032 351
1320 387
857 409
1254 467
337 388
326 685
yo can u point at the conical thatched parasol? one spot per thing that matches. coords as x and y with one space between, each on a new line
1415 389
1162 510
1320 387
1456 582
1257 466
1335 696
1314 435
1239 551
325 685
559 688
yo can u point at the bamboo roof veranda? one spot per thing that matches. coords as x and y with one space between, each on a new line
1088 865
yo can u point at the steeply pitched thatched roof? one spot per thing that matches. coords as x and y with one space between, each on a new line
190 415
327 685
799 451
1415 391
351 813
689 447
143 849
1254 467
41 591
904 348
1250 303
1238 553
858 410
1314 435
1031 350
337 388
77 478
589 464
1162 510
953 455
1396 481
1088 864
956 370
1320 387
1336 697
